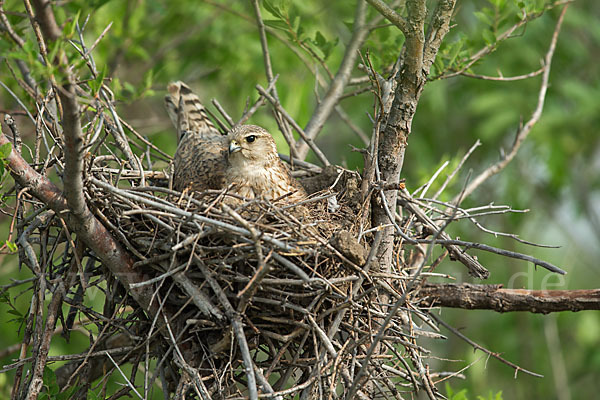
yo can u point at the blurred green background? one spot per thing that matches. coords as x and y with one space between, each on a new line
214 47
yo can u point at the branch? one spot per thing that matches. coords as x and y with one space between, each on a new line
285 128
45 18
98 238
80 219
389 14
507 253
479 347
307 139
74 152
507 34
501 78
474 267
438 28
525 129
336 89
494 297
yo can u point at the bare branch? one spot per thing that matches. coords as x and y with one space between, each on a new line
97 238
502 252
479 347
389 14
438 28
458 167
525 129
474 267
307 139
236 323
396 127
45 17
336 88
494 297
501 78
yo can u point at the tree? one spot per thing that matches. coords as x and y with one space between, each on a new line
92 219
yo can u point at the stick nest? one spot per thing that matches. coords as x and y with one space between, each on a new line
295 277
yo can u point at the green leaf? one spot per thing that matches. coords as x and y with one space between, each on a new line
15 313
50 382
91 395
483 17
277 24
272 8
489 37
69 29
11 246
68 394
96 84
5 150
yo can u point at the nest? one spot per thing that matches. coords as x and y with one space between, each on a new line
287 286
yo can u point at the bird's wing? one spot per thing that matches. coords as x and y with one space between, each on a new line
200 163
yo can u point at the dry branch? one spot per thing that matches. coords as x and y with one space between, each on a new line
336 87
494 297
535 116
97 237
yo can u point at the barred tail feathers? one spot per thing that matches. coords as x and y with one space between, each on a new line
187 112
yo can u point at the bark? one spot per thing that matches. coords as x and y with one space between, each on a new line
494 297
96 236
417 57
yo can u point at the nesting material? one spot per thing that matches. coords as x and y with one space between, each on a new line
296 276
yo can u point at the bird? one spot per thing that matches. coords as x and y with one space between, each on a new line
245 162
200 160
254 168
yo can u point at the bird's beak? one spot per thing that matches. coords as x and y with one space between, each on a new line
234 146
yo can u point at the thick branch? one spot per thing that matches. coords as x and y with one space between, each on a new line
73 173
438 28
389 14
97 237
79 217
392 141
494 297
45 17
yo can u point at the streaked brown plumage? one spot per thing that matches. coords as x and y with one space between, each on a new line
255 169
246 160
201 156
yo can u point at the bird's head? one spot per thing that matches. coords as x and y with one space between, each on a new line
251 145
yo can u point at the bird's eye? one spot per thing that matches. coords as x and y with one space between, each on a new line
250 138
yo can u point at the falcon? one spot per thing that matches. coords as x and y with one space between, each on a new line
201 156
255 169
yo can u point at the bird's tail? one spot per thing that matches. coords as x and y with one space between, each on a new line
187 112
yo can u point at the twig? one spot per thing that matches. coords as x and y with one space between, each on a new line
474 267
236 323
470 61
200 299
336 88
389 14
307 139
129 384
478 347
458 167
257 104
525 129
504 78
283 124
